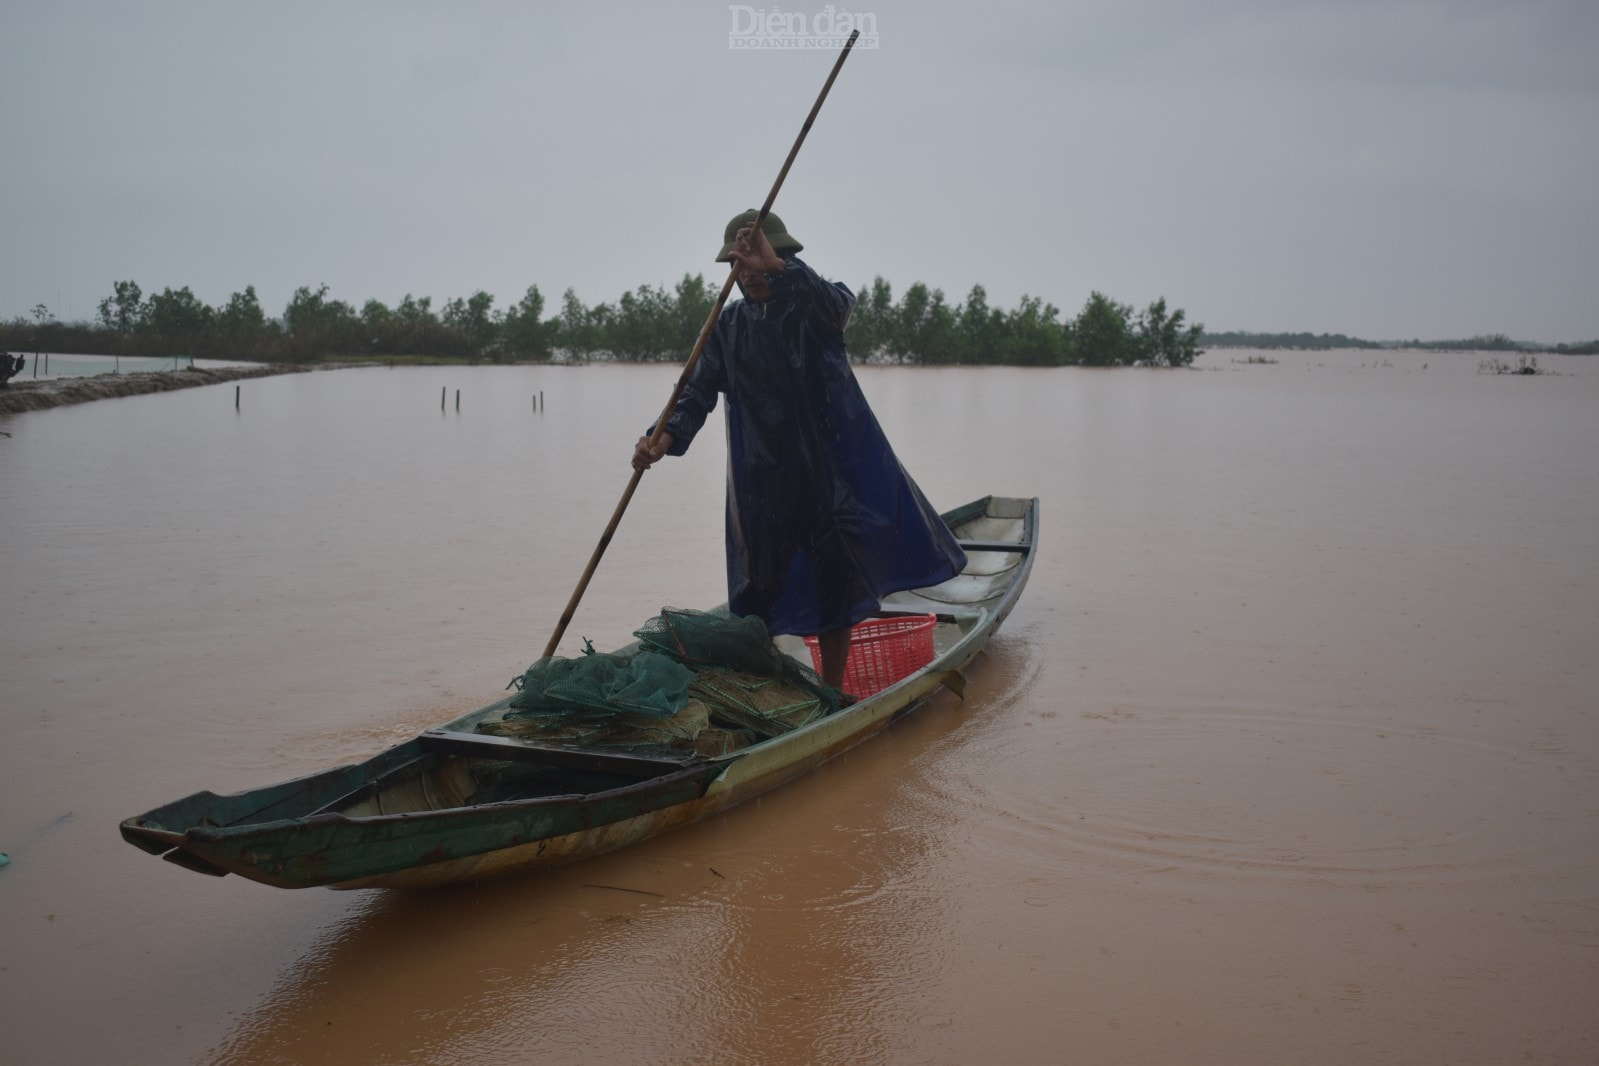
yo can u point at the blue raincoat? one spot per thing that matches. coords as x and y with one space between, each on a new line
822 521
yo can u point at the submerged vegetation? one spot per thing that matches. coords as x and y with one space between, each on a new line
1526 364
648 323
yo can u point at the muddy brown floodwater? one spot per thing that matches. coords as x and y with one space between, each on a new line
1288 753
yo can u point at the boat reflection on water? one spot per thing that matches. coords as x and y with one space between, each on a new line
784 931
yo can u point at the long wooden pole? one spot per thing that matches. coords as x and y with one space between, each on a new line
688 367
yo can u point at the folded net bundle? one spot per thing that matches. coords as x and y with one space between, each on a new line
703 682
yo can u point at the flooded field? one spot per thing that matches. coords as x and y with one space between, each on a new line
1288 754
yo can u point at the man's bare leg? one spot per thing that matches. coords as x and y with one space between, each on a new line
834 647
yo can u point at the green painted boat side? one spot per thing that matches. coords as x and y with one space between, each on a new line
275 802
326 849
332 829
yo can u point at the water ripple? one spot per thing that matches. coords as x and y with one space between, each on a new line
1262 794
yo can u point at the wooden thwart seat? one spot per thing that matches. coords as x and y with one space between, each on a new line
994 546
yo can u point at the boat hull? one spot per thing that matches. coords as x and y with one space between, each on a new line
401 820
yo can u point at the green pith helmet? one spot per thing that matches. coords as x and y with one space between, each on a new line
781 242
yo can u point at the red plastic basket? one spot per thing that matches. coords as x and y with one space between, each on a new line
883 651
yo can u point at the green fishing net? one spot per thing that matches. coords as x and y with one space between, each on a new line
704 682
717 640
643 683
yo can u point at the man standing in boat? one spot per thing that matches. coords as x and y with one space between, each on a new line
822 521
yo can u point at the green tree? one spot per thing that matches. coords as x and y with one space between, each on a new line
242 313
1103 332
601 325
643 326
906 323
1032 335
319 326
376 316
936 340
981 328
692 300
416 330
121 310
416 312
523 332
871 323
310 314
472 318
575 326
176 313
1161 338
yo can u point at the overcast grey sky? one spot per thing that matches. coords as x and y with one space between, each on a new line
1390 170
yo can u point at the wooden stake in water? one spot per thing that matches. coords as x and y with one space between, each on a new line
693 359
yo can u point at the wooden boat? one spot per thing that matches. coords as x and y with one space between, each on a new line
408 817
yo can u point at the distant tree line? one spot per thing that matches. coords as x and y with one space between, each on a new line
313 326
1499 342
1486 342
648 323
658 323
1238 339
